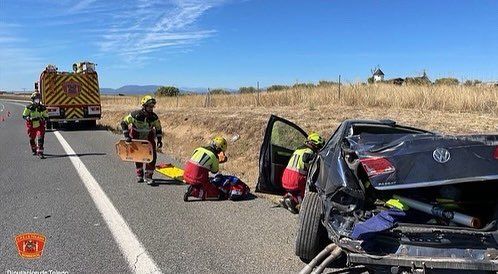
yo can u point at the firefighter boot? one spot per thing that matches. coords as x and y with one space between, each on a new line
148 177
291 205
39 150
33 146
140 175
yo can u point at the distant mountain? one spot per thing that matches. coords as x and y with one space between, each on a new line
136 89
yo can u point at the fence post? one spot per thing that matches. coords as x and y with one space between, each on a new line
209 98
257 91
339 87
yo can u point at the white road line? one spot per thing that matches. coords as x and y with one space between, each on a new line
138 259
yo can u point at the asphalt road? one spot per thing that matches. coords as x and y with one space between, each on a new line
87 233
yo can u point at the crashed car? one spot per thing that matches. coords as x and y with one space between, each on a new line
393 196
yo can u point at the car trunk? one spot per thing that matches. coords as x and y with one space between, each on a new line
456 196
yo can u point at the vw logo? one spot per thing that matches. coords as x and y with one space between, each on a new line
441 155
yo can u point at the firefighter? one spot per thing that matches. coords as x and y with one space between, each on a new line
294 176
144 124
36 116
204 160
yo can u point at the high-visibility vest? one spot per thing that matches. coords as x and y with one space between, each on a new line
37 114
202 162
294 176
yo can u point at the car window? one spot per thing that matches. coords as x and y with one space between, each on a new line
381 129
286 136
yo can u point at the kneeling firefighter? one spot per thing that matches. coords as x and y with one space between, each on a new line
36 115
294 176
204 160
144 124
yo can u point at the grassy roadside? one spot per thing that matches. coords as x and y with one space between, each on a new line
188 127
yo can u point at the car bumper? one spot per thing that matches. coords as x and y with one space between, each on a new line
416 262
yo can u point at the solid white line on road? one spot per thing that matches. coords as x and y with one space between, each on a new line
138 259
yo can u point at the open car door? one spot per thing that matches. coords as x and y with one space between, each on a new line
281 139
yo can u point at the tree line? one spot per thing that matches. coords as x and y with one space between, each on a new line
424 80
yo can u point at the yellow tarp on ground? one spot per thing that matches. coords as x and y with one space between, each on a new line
171 171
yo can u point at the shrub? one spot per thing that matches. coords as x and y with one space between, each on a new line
472 82
276 88
247 90
167 91
327 83
219 91
304 85
448 81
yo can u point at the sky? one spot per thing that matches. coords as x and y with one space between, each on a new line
234 43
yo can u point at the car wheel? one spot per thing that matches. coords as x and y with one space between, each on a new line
311 235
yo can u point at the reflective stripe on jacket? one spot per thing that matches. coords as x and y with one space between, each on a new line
294 176
200 164
143 123
37 113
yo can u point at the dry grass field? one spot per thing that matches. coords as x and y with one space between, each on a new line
188 123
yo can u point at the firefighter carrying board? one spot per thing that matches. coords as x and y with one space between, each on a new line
135 151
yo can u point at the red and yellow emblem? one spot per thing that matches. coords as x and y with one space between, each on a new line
30 245
71 88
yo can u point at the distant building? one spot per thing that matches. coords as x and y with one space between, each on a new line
378 75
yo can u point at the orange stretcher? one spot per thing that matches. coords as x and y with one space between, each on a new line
135 151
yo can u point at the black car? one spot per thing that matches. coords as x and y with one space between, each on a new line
449 185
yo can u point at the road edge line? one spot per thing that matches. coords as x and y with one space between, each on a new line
135 254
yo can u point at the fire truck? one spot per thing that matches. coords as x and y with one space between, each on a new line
71 97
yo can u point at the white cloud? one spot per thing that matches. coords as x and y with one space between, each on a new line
81 5
150 26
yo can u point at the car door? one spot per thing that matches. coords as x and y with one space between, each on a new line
282 137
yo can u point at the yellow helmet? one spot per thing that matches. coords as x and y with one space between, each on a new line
147 99
219 143
35 95
315 139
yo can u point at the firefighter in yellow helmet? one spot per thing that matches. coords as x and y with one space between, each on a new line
36 116
294 176
204 160
144 124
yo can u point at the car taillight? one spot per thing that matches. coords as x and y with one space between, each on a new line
377 166
495 154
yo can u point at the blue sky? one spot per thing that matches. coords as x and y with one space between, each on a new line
233 43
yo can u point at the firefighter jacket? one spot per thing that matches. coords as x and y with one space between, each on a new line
37 115
142 123
294 176
203 161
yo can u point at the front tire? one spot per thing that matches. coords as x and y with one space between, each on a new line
311 235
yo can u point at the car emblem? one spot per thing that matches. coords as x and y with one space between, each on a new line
441 155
